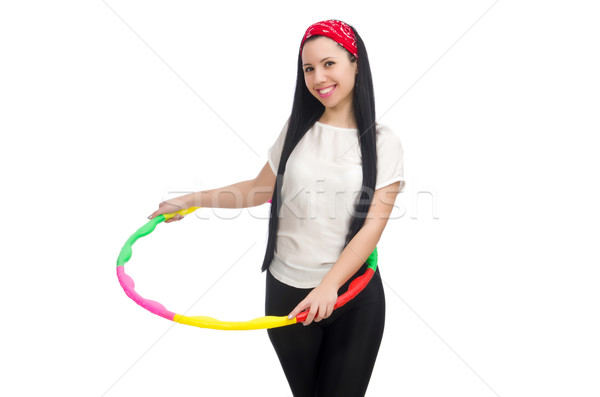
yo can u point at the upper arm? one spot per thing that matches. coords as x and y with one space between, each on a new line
381 207
264 184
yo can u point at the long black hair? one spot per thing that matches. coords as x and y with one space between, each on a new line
306 110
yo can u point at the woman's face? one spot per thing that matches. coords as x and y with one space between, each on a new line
328 73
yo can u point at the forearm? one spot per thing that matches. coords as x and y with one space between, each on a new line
239 195
352 257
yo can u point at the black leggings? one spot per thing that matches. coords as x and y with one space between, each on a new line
335 356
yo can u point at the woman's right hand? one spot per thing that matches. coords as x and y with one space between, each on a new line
168 207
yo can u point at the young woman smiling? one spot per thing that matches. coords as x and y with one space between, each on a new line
332 175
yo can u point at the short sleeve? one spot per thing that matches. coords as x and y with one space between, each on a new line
390 158
274 153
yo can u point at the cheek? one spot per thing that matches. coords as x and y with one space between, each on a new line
351 78
307 82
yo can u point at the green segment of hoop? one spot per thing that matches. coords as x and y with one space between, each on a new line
148 228
372 260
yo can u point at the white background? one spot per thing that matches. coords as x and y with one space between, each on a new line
490 261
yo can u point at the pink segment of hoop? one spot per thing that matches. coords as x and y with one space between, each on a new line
150 305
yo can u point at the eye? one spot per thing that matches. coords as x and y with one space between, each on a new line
308 69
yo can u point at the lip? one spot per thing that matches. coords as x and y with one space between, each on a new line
329 93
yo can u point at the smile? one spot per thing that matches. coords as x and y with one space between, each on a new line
324 93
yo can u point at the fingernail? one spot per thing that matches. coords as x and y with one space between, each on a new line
290 317
149 216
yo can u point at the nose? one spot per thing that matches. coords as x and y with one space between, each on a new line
319 76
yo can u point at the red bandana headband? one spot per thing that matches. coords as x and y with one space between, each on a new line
336 30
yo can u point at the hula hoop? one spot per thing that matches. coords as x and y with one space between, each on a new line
357 285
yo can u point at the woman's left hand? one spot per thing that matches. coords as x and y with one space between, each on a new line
320 300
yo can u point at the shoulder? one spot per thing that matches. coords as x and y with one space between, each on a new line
385 135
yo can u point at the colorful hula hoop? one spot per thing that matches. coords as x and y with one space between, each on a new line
357 285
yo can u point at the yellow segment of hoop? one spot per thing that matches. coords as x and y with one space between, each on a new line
182 212
213 323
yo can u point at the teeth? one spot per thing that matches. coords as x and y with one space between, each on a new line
325 91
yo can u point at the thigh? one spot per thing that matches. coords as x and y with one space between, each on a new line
351 344
297 346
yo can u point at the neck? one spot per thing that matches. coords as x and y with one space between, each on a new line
341 115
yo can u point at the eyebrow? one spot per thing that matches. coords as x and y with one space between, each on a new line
319 61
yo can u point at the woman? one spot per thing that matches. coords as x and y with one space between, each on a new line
332 175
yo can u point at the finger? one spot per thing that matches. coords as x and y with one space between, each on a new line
294 313
329 311
321 314
318 316
299 308
311 315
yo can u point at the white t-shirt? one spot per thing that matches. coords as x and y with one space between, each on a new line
321 185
